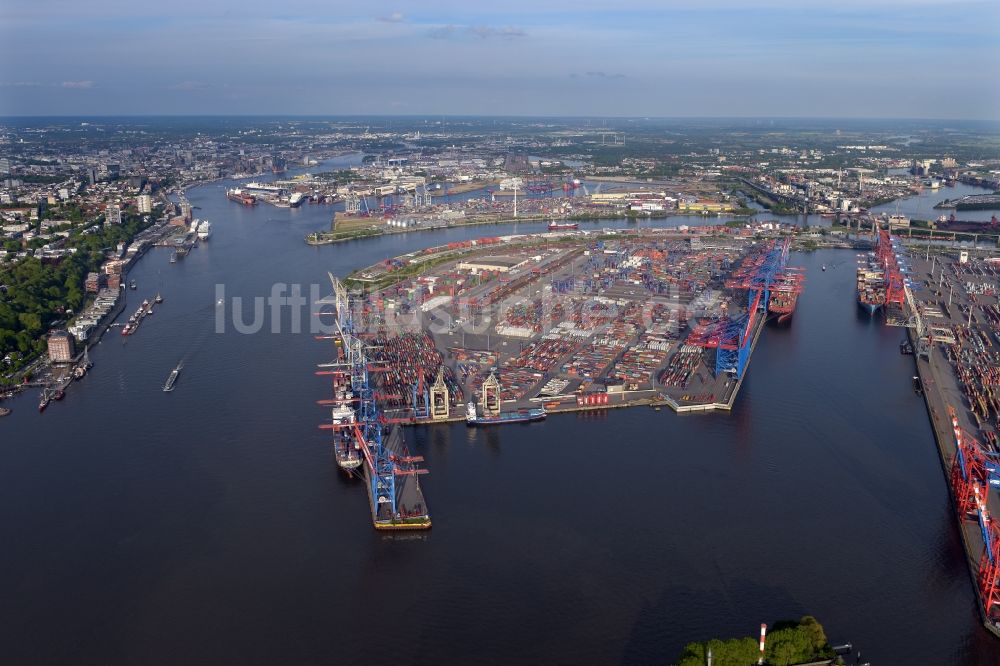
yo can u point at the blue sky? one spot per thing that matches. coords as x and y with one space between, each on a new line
850 58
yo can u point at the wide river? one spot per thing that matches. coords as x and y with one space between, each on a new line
211 524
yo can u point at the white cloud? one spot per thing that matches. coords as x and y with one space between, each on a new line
79 85
395 17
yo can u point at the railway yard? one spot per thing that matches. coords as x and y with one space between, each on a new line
569 321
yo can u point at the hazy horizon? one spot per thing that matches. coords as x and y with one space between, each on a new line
771 59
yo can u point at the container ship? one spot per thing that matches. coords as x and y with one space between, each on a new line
519 416
563 226
782 303
871 289
345 443
239 196
346 446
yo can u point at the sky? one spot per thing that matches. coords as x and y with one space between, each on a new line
663 58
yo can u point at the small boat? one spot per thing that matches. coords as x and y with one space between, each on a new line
172 379
43 400
917 386
132 285
158 299
4 411
824 267
173 257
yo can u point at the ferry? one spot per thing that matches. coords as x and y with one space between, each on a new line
564 226
519 416
172 379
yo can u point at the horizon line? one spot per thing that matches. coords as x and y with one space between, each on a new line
504 116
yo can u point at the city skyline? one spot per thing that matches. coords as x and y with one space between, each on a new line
881 59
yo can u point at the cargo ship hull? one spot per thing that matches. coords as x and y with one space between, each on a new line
870 308
241 197
783 305
524 416
563 227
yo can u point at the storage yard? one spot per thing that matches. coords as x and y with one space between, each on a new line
568 321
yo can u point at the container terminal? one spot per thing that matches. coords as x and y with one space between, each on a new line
570 321
947 302
514 328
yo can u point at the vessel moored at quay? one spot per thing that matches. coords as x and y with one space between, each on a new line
241 197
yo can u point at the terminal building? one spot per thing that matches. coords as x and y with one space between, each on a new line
493 264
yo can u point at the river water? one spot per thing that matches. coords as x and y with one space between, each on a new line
211 525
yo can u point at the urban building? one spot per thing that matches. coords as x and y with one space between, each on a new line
113 214
145 203
60 344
